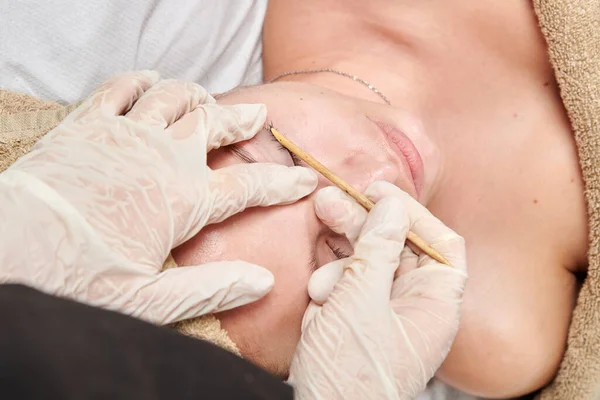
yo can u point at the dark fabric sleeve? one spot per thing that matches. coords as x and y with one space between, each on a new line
51 348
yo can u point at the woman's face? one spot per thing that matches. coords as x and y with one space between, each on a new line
360 141
485 184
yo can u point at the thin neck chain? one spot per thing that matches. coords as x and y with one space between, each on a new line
333 71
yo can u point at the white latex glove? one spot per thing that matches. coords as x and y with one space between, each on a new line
388 317
96 207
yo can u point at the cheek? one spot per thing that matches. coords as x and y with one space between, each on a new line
268 330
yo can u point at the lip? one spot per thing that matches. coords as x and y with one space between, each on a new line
406 152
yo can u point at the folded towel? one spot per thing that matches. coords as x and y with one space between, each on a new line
572 31
23 121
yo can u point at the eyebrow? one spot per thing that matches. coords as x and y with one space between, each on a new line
241 153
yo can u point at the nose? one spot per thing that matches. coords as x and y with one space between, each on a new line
361 170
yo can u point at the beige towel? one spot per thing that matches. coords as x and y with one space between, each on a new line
572 31
23 121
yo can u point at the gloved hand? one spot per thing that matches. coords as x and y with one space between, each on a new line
388 316
96 207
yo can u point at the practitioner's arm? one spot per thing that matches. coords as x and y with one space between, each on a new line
52 348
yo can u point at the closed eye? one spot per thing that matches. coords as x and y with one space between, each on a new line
337 252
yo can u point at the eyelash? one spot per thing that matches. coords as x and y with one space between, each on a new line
338 252
295 160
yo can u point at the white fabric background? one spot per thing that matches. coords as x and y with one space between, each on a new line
62 49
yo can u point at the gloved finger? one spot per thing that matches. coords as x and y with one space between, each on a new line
434 281
228 124
408 261
322 281
220 125
340 212
310 313
240 186
381 241
428 300
425 225
188 292
166 102
115 96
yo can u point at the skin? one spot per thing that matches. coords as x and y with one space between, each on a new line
471 86
280 238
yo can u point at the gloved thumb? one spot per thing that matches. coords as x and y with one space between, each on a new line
188 292
310 313
340 212
323 280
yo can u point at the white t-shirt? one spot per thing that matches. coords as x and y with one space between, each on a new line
63 49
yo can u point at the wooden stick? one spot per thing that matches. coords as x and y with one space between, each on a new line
355 194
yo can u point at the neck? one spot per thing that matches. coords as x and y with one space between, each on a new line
341 80
370 52
339 73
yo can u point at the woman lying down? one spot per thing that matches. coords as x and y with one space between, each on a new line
102 199
363 141
517 336
483 140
